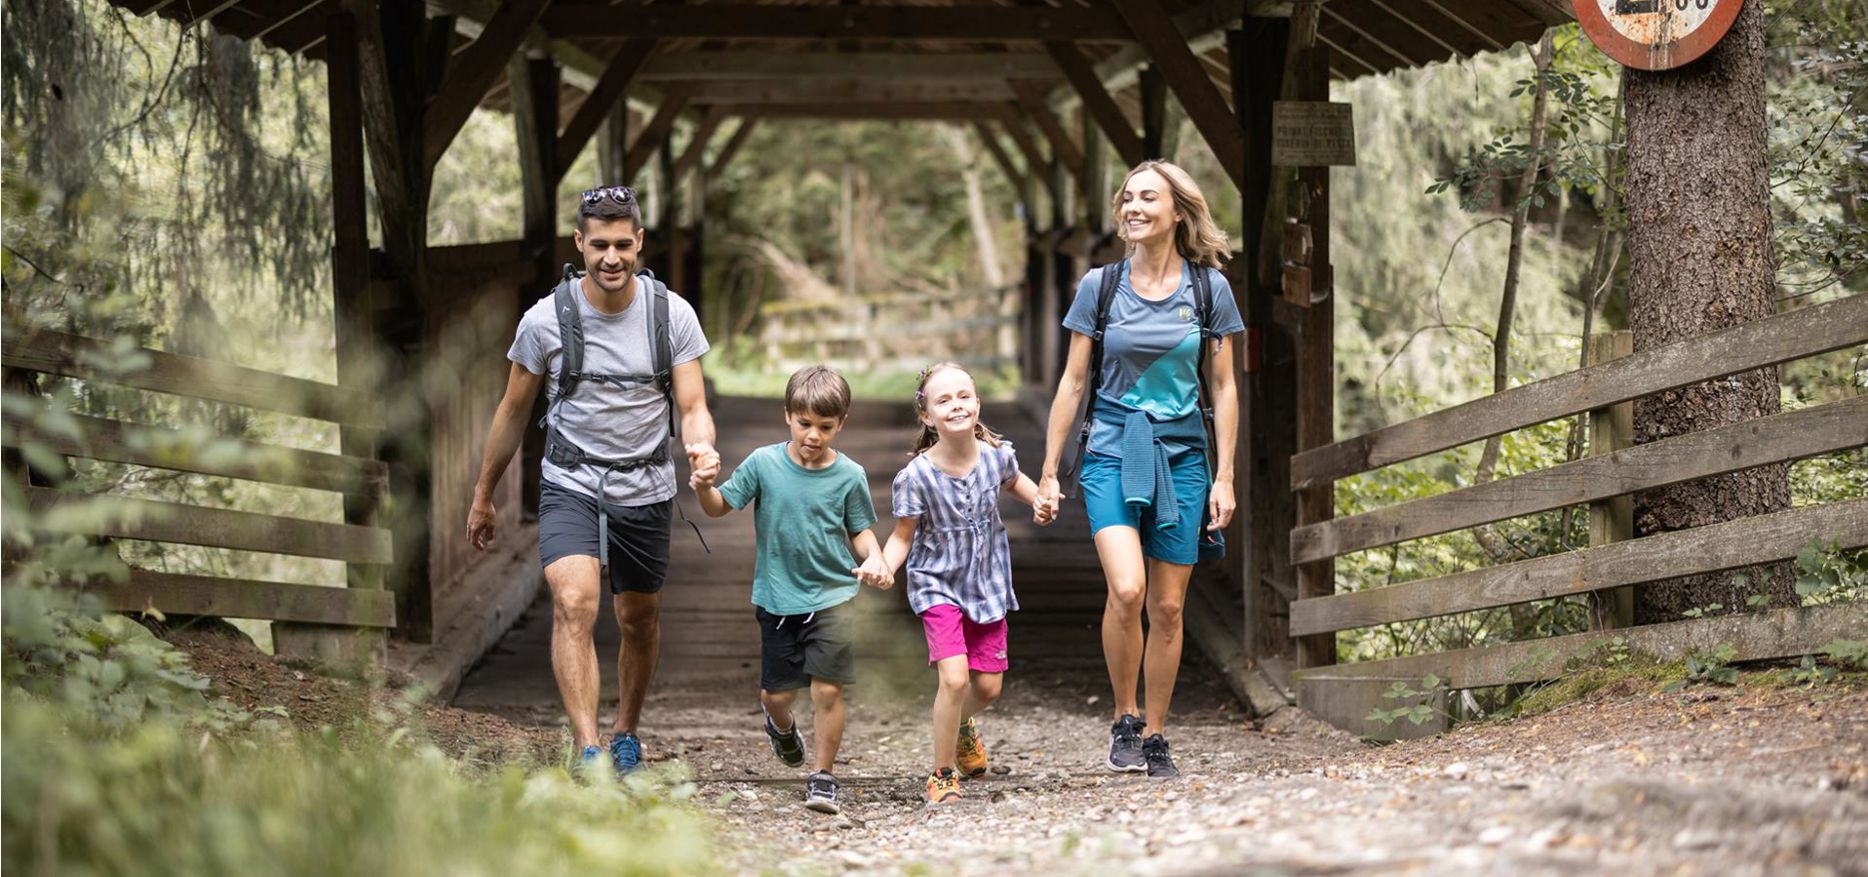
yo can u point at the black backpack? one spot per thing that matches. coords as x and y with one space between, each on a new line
571 372
1105 296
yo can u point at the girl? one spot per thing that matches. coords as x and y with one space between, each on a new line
1154 503
947 528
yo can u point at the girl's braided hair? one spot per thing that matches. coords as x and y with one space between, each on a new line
928 435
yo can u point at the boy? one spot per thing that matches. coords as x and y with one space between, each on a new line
810 504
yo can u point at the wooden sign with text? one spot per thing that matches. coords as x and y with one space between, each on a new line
1312 134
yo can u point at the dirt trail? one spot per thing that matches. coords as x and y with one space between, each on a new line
1754 780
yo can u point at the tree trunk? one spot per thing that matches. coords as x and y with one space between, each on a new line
1699 244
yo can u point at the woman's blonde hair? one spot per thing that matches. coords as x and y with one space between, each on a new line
928 436
1197 237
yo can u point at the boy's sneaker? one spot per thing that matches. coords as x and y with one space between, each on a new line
820 793
625 753
971 750
943 787
786 744
1125 745
1160 763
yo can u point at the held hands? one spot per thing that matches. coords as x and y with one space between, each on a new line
703 465
1050 498
875 572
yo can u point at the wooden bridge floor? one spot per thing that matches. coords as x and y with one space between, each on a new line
709 639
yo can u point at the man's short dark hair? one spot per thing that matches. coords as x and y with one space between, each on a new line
608 203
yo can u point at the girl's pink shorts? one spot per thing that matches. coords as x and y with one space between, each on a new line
951 633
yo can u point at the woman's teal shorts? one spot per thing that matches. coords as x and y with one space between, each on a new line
1101 483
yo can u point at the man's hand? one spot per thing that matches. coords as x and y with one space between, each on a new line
480 521
875 572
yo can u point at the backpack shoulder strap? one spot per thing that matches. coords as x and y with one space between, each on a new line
1105 298
570 333
661 335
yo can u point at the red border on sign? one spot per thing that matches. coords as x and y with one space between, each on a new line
1641 57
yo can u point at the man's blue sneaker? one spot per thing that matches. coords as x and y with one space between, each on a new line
588 759
625 752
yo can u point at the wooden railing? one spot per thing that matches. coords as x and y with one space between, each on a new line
1344 693
907 330
330 623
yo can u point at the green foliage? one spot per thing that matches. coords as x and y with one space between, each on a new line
1827 574
1431 687
1849 653
1818 116
1810 674
1708 668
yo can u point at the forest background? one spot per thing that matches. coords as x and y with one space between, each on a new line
173 187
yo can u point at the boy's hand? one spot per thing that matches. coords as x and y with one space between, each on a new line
704 463
875 572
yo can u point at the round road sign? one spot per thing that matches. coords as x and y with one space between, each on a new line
1655 34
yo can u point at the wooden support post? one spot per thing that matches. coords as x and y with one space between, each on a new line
1268 380
1000 157
605 108
468 80
1036 165
1611 429
1186 75
1316 366
1153 88
697 144
1094 180
534 98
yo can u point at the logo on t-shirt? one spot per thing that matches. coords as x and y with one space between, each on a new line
1185 313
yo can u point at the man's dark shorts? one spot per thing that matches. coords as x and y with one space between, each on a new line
795 649
567 526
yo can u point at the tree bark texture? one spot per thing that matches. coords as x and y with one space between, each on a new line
1699 245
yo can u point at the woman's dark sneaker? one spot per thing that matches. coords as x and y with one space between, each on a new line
786 744
1125 745
1160 763
820 793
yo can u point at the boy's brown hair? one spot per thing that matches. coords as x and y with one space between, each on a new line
819 390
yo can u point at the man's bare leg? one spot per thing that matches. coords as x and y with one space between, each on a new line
574 590
639 618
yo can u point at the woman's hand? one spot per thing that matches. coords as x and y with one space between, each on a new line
1050 499
1219 505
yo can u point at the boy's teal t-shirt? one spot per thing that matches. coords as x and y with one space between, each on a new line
804 519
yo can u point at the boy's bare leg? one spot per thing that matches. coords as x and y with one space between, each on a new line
574 590
827 723
778 706
638 616
980 694
948 702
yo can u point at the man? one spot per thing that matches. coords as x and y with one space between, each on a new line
607 486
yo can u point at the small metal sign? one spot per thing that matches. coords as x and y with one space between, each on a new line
1655 34
1312 134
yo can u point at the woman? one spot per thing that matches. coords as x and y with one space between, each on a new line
1153 500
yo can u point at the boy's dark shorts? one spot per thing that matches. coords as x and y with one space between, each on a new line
567 527
795 649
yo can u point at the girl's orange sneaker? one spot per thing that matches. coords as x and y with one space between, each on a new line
971 751
943 787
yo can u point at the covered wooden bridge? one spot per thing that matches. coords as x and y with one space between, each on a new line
1059 92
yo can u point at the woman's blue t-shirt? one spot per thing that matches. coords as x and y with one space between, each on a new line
1150 348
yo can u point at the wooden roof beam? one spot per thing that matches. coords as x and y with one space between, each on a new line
749 92
691 157
1097 101
1012 120
473 71
900 111
653 133
999 156
1203 27
608 91
676 66
733 143
585 18
1031 104
1187 78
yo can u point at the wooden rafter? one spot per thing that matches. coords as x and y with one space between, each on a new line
603 97
897 111
756 22
691 157
473 71
869 66
997 150
731 148
650 139
759 91
1031 103
1012 119
1187 77
1097 101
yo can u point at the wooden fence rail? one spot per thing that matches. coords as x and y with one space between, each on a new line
339 625
1344 693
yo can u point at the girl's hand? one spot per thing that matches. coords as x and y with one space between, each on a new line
1050 498
1219 505
875 572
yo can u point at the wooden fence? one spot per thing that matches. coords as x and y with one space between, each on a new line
905 330
1344 694
337 625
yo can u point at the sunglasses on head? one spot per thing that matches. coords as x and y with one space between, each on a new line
619 194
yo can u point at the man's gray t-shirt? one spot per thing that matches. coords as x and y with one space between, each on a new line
610 422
